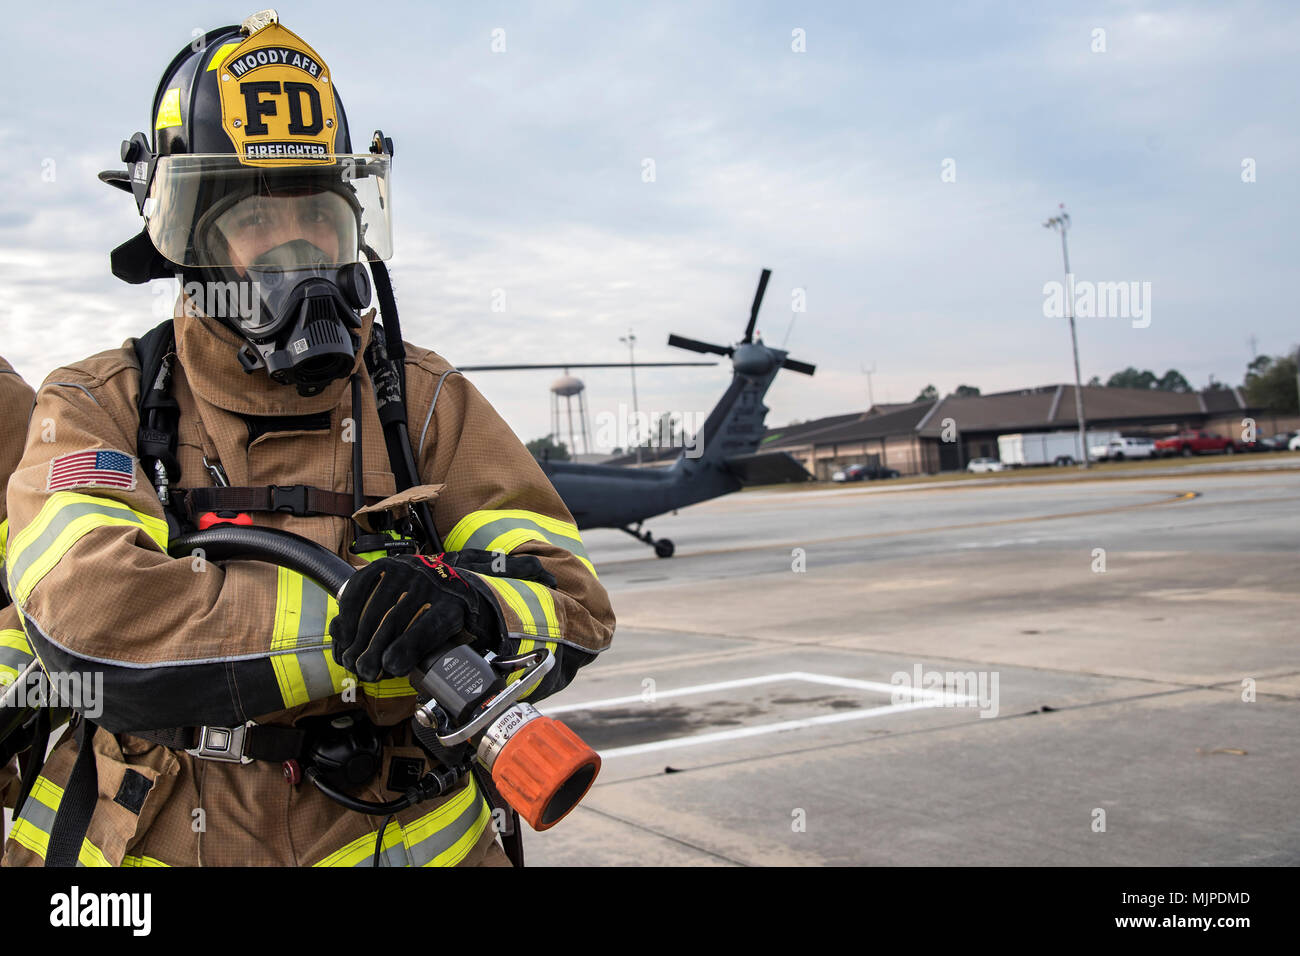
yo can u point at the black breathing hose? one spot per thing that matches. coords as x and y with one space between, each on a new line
289 550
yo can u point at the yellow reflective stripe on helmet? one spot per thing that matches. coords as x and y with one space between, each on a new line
34 822
142 861
441 837
169 109
66 518
220 56
481 529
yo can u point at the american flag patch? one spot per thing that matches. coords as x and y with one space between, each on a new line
92 469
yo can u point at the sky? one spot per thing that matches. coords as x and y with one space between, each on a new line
891 164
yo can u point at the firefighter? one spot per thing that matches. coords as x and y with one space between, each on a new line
16 398
204 681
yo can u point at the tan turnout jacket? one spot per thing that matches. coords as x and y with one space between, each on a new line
16 398
187 642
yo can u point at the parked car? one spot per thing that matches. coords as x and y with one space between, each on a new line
1195 443
1276 442
1294 443
864 473
1120 448
985 464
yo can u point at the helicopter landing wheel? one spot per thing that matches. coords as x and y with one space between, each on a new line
664 548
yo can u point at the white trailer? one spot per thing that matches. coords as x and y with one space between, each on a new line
1047 448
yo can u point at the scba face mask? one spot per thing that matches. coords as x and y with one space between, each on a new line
282 250
290 254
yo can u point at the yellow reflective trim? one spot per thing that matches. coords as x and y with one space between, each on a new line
284 637
220 56
29 835
4 538
513 601
547 602
458 850
107 513
142 861
288 608
467 525
7 675
388 687
169 110
12 637
514 538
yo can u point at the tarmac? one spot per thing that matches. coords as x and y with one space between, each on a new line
944 674
1087 673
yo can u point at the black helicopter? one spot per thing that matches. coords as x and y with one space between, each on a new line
724 455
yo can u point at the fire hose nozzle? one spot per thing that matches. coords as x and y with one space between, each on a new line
539 766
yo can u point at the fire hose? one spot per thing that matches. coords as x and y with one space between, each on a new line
467 703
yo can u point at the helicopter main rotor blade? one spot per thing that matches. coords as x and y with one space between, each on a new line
515 368
796 366
758 300
694 345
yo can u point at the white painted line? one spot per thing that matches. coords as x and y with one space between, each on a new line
937 697
675 742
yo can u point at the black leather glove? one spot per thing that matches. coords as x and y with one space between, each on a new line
397 611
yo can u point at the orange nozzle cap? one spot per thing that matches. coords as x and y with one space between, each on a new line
544 770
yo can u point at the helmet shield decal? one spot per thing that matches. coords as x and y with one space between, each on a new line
277 101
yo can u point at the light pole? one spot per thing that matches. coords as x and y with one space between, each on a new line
1061 223
630 339
871 400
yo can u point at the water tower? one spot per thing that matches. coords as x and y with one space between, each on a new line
570 387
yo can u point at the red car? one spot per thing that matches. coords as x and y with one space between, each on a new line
1195 443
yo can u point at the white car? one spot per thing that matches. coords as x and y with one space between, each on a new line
1294 443
985 464
1120 448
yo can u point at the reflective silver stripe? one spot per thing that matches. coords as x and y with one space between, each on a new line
12 657
441 841
485 535
316 674
529 597
311 623
34 550
38 815
394 855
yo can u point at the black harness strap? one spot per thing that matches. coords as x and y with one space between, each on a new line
78 803
300 500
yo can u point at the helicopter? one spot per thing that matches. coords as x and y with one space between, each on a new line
722 458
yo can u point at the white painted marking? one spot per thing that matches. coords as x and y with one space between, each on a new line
921 698
758 731
916 693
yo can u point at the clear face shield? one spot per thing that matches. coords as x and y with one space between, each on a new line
289 243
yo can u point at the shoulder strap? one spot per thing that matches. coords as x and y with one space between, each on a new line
159 413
